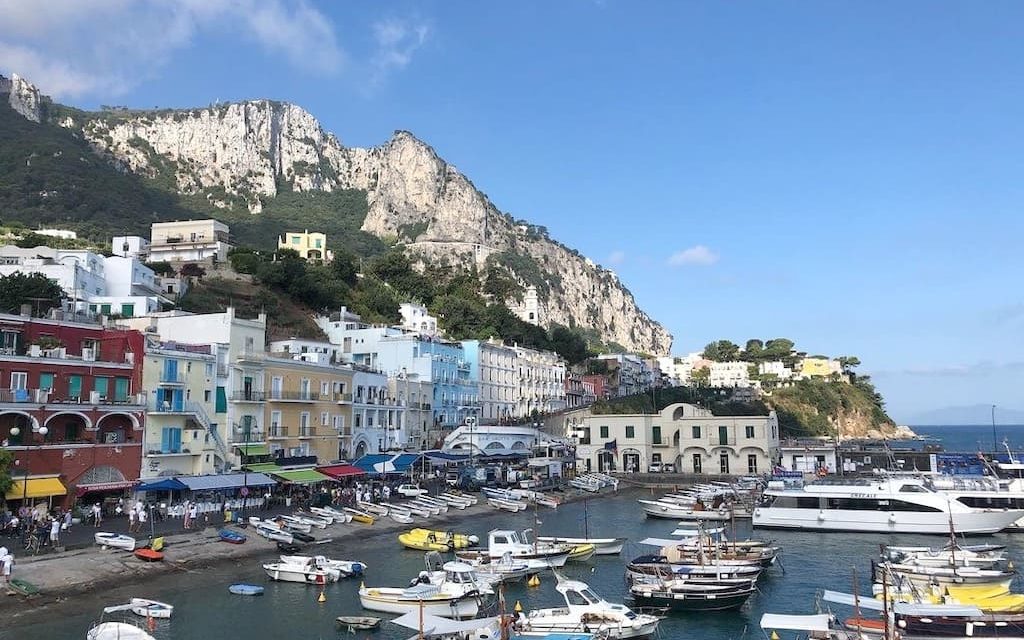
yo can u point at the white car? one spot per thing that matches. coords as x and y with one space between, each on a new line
654 468
411 490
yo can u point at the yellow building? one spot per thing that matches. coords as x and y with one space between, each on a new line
186 416
310 246
818 367
308 408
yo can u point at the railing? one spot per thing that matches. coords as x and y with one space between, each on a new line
301 396
239 431
248 396
343 397
307 432
278 431
36 396
172 377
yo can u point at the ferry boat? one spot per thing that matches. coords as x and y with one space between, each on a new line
883 504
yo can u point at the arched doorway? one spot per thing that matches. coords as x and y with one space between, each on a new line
605 461
67 427
631 461
23 422
360 450
114 428
101 475
494 446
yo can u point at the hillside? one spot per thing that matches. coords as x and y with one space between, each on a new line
264 166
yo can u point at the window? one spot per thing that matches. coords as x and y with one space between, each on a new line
296 240
696 431
751 462
325 388
656 435
209 369
19 380
325 418
604 432
128 310
723 435
723 463
105 309
221 405
750 431
655 457
275 418
101 386
698 463
304 420
206 395
629 431
317 243
170 440
121 389
46 381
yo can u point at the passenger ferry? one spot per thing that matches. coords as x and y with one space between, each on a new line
884 504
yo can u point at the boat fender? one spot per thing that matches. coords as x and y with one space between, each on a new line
821 515
892 518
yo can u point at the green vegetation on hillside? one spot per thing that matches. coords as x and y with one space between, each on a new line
654 401
812 407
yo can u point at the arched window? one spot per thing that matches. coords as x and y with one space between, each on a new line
100 475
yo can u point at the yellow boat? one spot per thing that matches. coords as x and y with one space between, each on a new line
360 516
582 552
430 540
987 598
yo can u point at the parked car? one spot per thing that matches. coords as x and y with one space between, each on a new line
655 467
411 490
668 467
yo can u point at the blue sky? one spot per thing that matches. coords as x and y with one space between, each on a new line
843 174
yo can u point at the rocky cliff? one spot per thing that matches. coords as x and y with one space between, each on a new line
22 96
242 154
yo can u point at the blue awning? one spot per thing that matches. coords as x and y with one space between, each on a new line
163 484
387 462
367 462
227 481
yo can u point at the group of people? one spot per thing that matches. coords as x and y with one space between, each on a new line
37 527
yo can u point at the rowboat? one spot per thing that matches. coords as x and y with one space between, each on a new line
151 608
294 524
507 505
401 517
313 520
23 587
358 623
231 537
602 546
675 511
581 552
339 517
115 540
243 589
432 509
691 596
360 516
149 555
372 509
271 531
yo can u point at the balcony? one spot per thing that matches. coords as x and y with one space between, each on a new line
277 432
255 434
277 395
342 398
157 453
307 432
248 396
24 397
172 377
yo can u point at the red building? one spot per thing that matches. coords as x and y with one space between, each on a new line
600 384
72 409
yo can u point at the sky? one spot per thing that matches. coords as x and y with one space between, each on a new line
844 174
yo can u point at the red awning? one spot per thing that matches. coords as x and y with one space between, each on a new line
83 489
341 470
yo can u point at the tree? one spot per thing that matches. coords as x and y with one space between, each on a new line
849 363
192 270
568 344
345 266
500 285
700 377
753 350
722 351
36 290
164 268
6 462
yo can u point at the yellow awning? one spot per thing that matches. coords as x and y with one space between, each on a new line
37 488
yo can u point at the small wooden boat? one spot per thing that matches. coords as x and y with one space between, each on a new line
507 505
271 531
23 587
293 524
581 552
603 546
115 540
371 508
243 589
358 623
400 517
312 519
231 537
360 516
147 554
151 608
339 517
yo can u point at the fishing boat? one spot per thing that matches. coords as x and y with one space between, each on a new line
438 572
151 608
358 623
674 511
231 537
244 589
347 567
449 600
817 626
645 567
305 573
116 631
585 610
115 540
360 516
500 542
682 595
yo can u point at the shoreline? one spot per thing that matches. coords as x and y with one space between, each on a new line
61 577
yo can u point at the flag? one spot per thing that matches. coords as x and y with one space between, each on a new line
612 446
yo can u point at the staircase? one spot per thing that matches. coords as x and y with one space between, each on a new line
203 419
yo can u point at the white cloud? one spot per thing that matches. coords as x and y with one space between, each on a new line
396 41
698 255
105 47
617 257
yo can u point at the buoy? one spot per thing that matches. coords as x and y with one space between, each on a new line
322 597
151 623
774 636
534 581
518 608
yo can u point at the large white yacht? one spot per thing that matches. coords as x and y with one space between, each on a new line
884 504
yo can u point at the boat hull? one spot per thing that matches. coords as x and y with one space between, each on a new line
655 509
614 630
935 523
246 589
602 546
691 601
380 600
115 540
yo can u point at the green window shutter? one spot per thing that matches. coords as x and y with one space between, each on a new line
128 310
604 432
222 400
120 389
74 386
105 309
629 431
101 385
46 381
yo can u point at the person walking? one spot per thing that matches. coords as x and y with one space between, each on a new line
187 513
67 520
55 532
132 519
141 519
193 513
6 566
97 515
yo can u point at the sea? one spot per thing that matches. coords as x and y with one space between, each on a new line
968 438
204 610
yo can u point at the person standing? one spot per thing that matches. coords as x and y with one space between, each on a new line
187 513
141 519
6 566
132 518
97 515
193 513
55 532
67 520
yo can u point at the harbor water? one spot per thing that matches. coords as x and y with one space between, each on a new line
204 609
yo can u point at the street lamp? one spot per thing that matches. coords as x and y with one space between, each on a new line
15 431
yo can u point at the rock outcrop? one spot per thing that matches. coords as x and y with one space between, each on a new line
22 96
248 152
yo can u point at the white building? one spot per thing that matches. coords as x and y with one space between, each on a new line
808 457
775 368
630 373
63 234
378 420
189 241
690 437
530 309
729 374
130 247
415 395
415 319
495 367
484 439
316 351
541 381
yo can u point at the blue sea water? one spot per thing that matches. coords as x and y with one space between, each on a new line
970 438
205 610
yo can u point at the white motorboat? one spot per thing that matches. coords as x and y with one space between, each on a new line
507 505
928 557
504 569
602 546
338 517
883 504
501 542
585 484
437 572
675 511
117 631
115 540
151 608
313 520
448 600
371 508
307 573
349 567
584 609
270 531
292 523
429 508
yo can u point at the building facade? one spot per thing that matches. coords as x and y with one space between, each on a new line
189 241
541 381
729 374
72 408
494 367
415 395
628 374
309 246
690 437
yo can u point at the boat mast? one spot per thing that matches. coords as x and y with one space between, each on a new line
586 520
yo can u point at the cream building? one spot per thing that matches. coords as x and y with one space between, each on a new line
496 368
186 428
189 241
729 374
310 246
692 438
541 381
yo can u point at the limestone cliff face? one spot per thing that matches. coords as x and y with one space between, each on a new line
249 151
22 96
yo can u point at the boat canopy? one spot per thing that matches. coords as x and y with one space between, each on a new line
435 625
816 622
662 542
903 608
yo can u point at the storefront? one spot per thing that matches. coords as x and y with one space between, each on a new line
35 490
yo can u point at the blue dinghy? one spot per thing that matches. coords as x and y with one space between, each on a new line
242 589
227 535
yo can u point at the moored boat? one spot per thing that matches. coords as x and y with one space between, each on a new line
304 573
602 546
360 516
348 567
692 596
244 589
445 601
117 631
231 537
584 610
358 623
114 540
151 608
